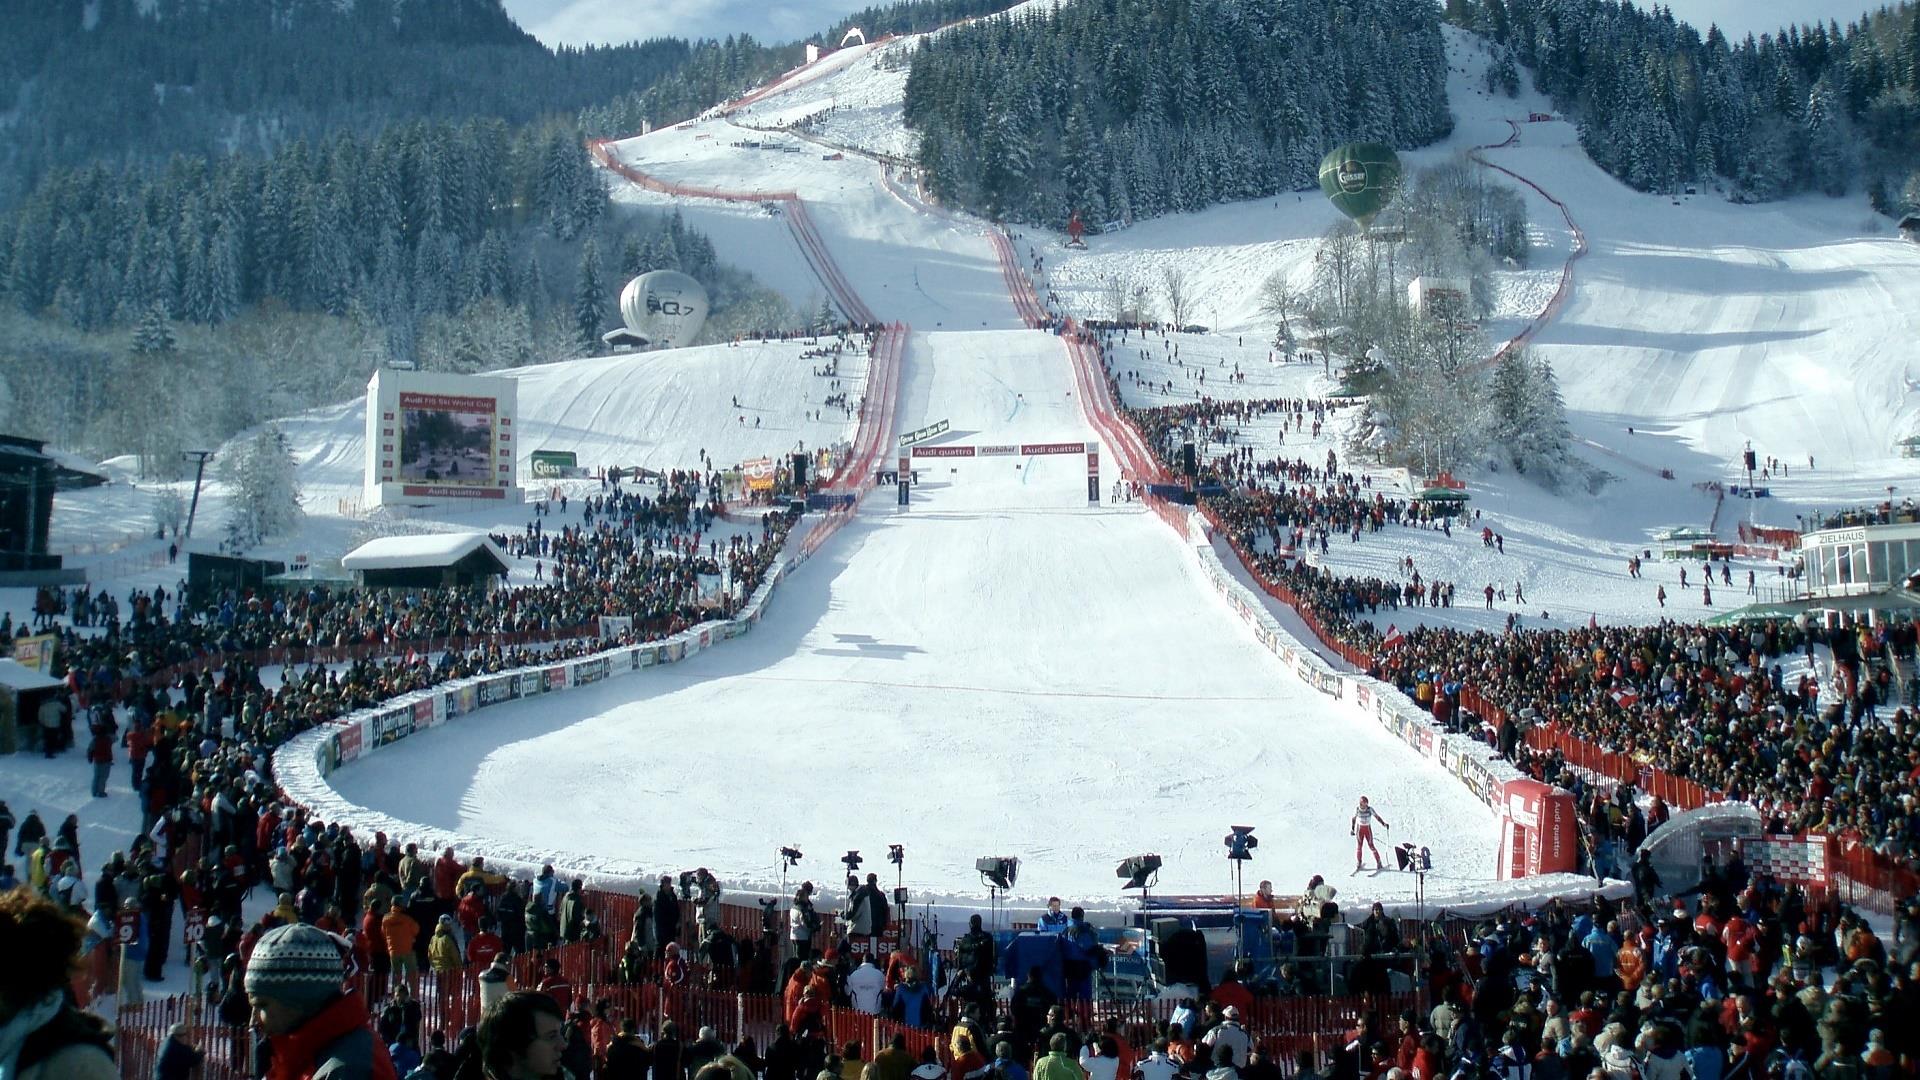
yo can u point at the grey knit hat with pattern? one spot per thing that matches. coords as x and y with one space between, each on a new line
297 964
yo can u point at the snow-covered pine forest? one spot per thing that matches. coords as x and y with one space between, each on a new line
1662 104
1128 109
147 312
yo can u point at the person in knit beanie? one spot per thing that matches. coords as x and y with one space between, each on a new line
318 1031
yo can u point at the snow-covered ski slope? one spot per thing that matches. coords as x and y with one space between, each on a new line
1000 669
947 662
930 271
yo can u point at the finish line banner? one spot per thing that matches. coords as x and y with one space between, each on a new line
928 432
1022 450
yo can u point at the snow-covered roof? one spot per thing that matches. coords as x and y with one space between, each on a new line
15 675
436 549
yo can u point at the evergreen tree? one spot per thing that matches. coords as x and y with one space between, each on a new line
223 277
266 488
1548 411
1829 143
633 260
589 300
154 336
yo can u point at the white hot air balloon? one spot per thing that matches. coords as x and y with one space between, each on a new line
665 306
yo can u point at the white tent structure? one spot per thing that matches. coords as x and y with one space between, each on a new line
16 676
438 559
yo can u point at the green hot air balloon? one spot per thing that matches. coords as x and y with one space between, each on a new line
1360 178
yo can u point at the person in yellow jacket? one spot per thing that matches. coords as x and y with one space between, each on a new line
37 867
1058 1064
443 952
477 874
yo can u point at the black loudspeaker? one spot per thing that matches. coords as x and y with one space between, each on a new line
799 470
1749 457
1186 459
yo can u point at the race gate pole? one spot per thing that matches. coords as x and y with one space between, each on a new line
1093 473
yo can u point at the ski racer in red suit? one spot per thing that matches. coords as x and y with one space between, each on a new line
1362 829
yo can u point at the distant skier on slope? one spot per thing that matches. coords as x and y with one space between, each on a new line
1362 829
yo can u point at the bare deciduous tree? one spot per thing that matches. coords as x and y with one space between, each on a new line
1278 301
1173 280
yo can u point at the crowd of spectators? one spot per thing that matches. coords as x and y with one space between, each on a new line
1713 704
198 738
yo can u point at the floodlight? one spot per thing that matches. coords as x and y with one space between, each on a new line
1241 842
998 871
1141 871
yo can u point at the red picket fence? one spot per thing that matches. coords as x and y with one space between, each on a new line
1864 878
143 1028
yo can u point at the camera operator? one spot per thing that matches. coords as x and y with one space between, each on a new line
867 909
803 922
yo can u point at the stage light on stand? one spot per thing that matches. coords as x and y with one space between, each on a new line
1240 843
1140 872
897 855
789 858
998 873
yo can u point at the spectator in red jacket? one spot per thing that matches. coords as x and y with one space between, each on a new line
100 755
483 946
446 874
139 743
556 986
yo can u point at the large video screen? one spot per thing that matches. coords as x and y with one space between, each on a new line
447 439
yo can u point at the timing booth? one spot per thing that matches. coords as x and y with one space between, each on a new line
211 571
22 691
